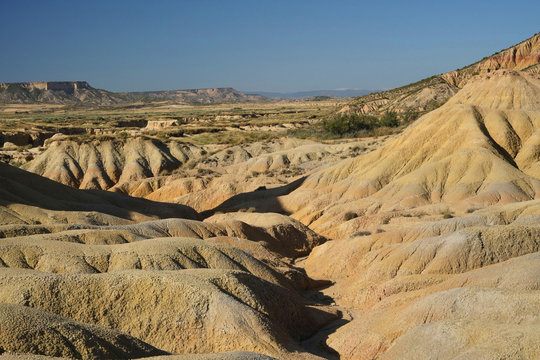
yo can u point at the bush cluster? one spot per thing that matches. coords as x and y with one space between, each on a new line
389 119
353 123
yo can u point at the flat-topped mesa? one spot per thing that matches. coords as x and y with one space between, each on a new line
67 86
56 92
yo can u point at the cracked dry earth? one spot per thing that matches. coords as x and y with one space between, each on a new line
424 245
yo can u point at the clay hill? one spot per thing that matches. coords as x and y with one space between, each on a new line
200 176
81 93
477 150
428 94
435 234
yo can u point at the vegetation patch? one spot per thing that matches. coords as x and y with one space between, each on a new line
353 126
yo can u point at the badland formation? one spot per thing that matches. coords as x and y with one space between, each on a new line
210 224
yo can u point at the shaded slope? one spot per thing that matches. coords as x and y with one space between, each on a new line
24 198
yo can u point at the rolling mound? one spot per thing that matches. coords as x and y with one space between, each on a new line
237 170
200 177
153 254
275 231
165 244
178 311
103 164
28 330
432 257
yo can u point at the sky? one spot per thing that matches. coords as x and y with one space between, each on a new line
256 45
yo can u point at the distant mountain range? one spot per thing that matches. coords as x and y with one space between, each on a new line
81 93
196 96
341 93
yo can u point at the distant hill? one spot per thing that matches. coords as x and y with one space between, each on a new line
81 93
430 93
307 94
199 96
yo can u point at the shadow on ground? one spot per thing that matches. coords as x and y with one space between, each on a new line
317 342
26 188
261 200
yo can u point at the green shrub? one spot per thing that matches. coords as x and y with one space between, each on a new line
361 233
348 124
338 126
410 115
447 214
433 104
350 215
390 119
163 136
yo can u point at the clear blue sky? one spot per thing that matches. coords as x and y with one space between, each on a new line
253 45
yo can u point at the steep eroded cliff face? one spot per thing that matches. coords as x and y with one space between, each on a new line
434 91
523 56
